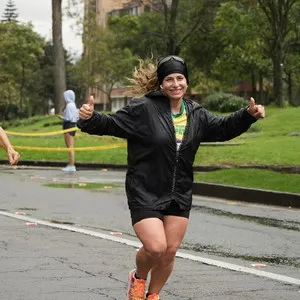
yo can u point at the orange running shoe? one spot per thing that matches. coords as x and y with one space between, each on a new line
136 287
153 296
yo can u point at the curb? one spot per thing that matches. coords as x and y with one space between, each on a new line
59 164
247 194
228 192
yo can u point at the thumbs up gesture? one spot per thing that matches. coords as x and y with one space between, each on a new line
86 110
257 111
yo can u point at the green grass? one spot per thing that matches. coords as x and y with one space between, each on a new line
272 141
269 143
57 141
253 178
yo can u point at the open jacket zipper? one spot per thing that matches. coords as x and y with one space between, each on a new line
178 150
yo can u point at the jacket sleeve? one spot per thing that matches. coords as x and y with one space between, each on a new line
128 122
219 128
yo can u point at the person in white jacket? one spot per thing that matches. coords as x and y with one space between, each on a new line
70 117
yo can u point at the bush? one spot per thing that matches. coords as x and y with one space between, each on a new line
223 102
21 122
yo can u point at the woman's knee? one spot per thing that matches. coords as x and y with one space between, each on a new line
156 250
169 255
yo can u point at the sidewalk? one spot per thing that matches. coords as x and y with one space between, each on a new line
200 188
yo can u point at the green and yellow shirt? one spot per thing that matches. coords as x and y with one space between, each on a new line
179 121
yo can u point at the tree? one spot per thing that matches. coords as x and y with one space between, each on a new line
20 52
10 12
291 71
184 18
9 91
59 59
167 28
242 55
105 63
141 34
282 33
47 68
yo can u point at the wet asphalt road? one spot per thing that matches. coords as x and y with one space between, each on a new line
42 262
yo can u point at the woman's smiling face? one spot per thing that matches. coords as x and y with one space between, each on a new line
174 86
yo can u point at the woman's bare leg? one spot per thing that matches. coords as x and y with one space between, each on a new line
175 228
69 141
151 233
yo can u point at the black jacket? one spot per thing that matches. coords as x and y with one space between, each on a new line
158 173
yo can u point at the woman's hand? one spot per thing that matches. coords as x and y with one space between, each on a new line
86 111
13 156
257 111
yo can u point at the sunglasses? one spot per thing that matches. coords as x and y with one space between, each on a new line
168 58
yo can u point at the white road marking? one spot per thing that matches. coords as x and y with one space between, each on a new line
207 261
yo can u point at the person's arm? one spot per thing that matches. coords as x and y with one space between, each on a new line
220 128
131 121
13 156
93 122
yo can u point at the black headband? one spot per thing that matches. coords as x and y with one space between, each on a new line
169 65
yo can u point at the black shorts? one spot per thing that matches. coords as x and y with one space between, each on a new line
173 210
68 125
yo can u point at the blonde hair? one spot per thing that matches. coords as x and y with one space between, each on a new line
144 78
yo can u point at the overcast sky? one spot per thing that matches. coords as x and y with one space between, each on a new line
39 12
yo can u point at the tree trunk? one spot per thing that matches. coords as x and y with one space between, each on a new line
261 89
282 28
277 77
253 85
171 15
59 58
22 89
290 88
